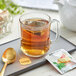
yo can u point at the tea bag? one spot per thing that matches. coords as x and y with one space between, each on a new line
35 23
38 24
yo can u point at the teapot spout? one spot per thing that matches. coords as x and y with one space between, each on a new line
59 2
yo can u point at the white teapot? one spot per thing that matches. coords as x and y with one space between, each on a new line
67 10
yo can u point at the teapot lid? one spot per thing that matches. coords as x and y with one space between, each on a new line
72 2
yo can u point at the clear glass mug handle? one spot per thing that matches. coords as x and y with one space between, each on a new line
57 29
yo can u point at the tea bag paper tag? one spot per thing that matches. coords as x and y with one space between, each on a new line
25 61
61 60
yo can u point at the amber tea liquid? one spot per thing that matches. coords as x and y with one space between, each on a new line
35 42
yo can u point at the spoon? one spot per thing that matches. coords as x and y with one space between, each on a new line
8 57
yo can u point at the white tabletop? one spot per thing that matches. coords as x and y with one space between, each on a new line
47 69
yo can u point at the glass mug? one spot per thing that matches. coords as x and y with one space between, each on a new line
35 33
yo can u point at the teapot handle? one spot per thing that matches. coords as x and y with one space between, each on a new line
70 3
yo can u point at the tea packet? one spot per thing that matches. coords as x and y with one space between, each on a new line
61 60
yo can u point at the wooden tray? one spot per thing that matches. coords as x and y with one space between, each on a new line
17 69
